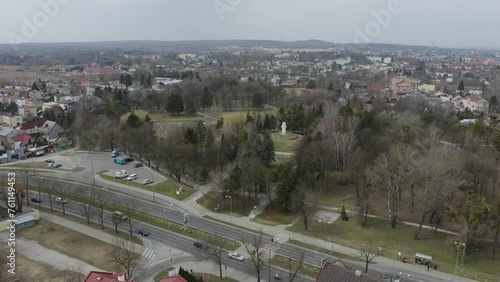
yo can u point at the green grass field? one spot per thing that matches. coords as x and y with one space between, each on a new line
165 117
210 200
287 143
240 116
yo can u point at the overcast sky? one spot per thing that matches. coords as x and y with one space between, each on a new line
444 23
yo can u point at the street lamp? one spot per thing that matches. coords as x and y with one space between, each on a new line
230 207
324 245
153 187
456 261
168 226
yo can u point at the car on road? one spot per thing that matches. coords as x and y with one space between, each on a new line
128 160
56 165
147 181
120 215
236 256
137 165
49 161
200 244
36 200
61 200
133 176
142 231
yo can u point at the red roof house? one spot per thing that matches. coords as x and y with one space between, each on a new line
119 276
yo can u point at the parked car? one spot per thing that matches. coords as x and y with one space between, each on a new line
120 215
137 165
128 160
200 244
52 164
133 176
57 165
61 200
147 181
36 200
142 231
49 161
236 256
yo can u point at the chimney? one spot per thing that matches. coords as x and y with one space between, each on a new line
121 277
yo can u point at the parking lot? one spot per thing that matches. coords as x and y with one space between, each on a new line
94 161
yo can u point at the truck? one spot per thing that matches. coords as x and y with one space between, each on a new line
121 174
121 161
115 153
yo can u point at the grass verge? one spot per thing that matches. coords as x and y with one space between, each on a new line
378 232
210 200
94 224
285 262
71 243
207 277
165 117
272 217
163 273
329 252
167 187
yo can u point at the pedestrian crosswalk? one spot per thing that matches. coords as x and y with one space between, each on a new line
149 253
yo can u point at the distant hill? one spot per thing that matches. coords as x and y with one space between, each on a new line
198 45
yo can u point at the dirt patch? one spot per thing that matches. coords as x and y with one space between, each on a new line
30 270
71 243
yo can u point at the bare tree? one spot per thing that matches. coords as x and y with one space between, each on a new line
368 251
213 253
305 208
389 174
126 254
295 266
116 221
253 248
131 207
99 205
86 202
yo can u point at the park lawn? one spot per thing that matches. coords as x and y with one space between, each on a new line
287 143
31 270
438 245
166 117
231 117
167 187
282 159
333 195
209 201
273 217
71 243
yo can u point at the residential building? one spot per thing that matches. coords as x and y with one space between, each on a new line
401 86
27 112
6 134
12 120
97 276
24 142
51 130
476 103
32 127
48 105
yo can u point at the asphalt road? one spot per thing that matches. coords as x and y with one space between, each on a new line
175 214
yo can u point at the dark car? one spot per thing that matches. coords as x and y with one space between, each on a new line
137 165
200 244
36 200
49 161
142 231
127 160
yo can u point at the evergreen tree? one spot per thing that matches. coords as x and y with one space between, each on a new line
311 84
264 148
190 106
461 86
143 79
34 86
127 80
493 103
122 79
133 121
287 182
343 214
267 122
206 98
330 87
257 100
175 104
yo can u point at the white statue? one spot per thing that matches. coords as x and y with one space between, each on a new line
283 129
